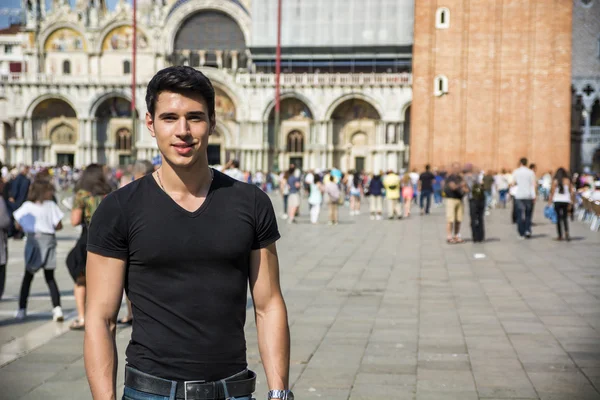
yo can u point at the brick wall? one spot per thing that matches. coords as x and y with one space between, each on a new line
509 69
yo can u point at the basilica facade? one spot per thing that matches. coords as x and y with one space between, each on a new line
344 104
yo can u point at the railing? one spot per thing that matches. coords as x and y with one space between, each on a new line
595 130
346 79
242 79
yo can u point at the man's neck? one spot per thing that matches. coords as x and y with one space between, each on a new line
195 180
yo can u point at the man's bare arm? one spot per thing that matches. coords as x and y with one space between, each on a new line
271 316
105 277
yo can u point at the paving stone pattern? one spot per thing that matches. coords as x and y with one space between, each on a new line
380 309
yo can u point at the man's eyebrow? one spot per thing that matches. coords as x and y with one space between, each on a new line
196 113
167 114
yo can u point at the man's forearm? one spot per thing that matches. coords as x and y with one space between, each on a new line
100 356
274 344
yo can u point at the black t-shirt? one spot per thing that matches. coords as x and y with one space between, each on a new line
427 179
456 193
187 273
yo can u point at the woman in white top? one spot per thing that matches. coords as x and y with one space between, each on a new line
39 217
562 195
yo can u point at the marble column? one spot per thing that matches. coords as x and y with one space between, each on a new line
202 57
587 154
234 60
219 54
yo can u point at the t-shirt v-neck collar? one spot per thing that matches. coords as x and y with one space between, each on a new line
204 204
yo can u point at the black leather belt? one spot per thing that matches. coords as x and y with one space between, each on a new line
242 384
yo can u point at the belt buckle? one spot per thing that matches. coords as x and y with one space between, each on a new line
185 383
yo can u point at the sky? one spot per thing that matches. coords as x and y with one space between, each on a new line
16 4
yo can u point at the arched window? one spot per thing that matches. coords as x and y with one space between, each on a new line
123 139
126 67
66 67
440 85
295 142
442 18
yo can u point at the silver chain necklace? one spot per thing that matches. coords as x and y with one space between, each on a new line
212 176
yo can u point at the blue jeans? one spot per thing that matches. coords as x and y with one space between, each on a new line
132 394
488 199
437 196
425 196
524 209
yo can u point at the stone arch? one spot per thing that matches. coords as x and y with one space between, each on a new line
353 96
180 13
48 96
112 114
63 133
226 103
105 96
113 28
269 109
51 30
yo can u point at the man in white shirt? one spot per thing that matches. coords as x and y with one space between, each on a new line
525 181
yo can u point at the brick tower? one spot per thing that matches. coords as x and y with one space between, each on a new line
491 83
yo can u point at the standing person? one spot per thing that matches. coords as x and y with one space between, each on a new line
414 178
334 194
455 189
284 189
185 241
376 197
391 183
315 198
140 169
355 193
407 193
19 189
477 206
39 218
525 182
5 223
90 190
502 184
562 194
425 188
294 183
488 187
438 185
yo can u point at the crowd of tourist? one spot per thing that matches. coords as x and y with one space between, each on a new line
31 209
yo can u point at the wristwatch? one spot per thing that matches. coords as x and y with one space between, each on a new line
280 394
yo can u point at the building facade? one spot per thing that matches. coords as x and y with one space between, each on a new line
346 91
491 83
585 122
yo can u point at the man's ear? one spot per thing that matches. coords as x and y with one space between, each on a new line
150 124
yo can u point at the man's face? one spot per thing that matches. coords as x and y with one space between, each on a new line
181 127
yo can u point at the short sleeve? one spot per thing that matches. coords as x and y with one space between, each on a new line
108 231
78 202
57 214
266 231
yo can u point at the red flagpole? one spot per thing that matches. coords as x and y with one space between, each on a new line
133 73
277 77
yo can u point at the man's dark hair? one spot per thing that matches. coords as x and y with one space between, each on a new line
532 166
427 167
523 161
183 80
235 164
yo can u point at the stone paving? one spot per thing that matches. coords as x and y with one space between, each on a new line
380 309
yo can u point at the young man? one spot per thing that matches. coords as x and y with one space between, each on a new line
455 189
184 241
525 182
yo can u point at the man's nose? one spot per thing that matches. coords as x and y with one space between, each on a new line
183 127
